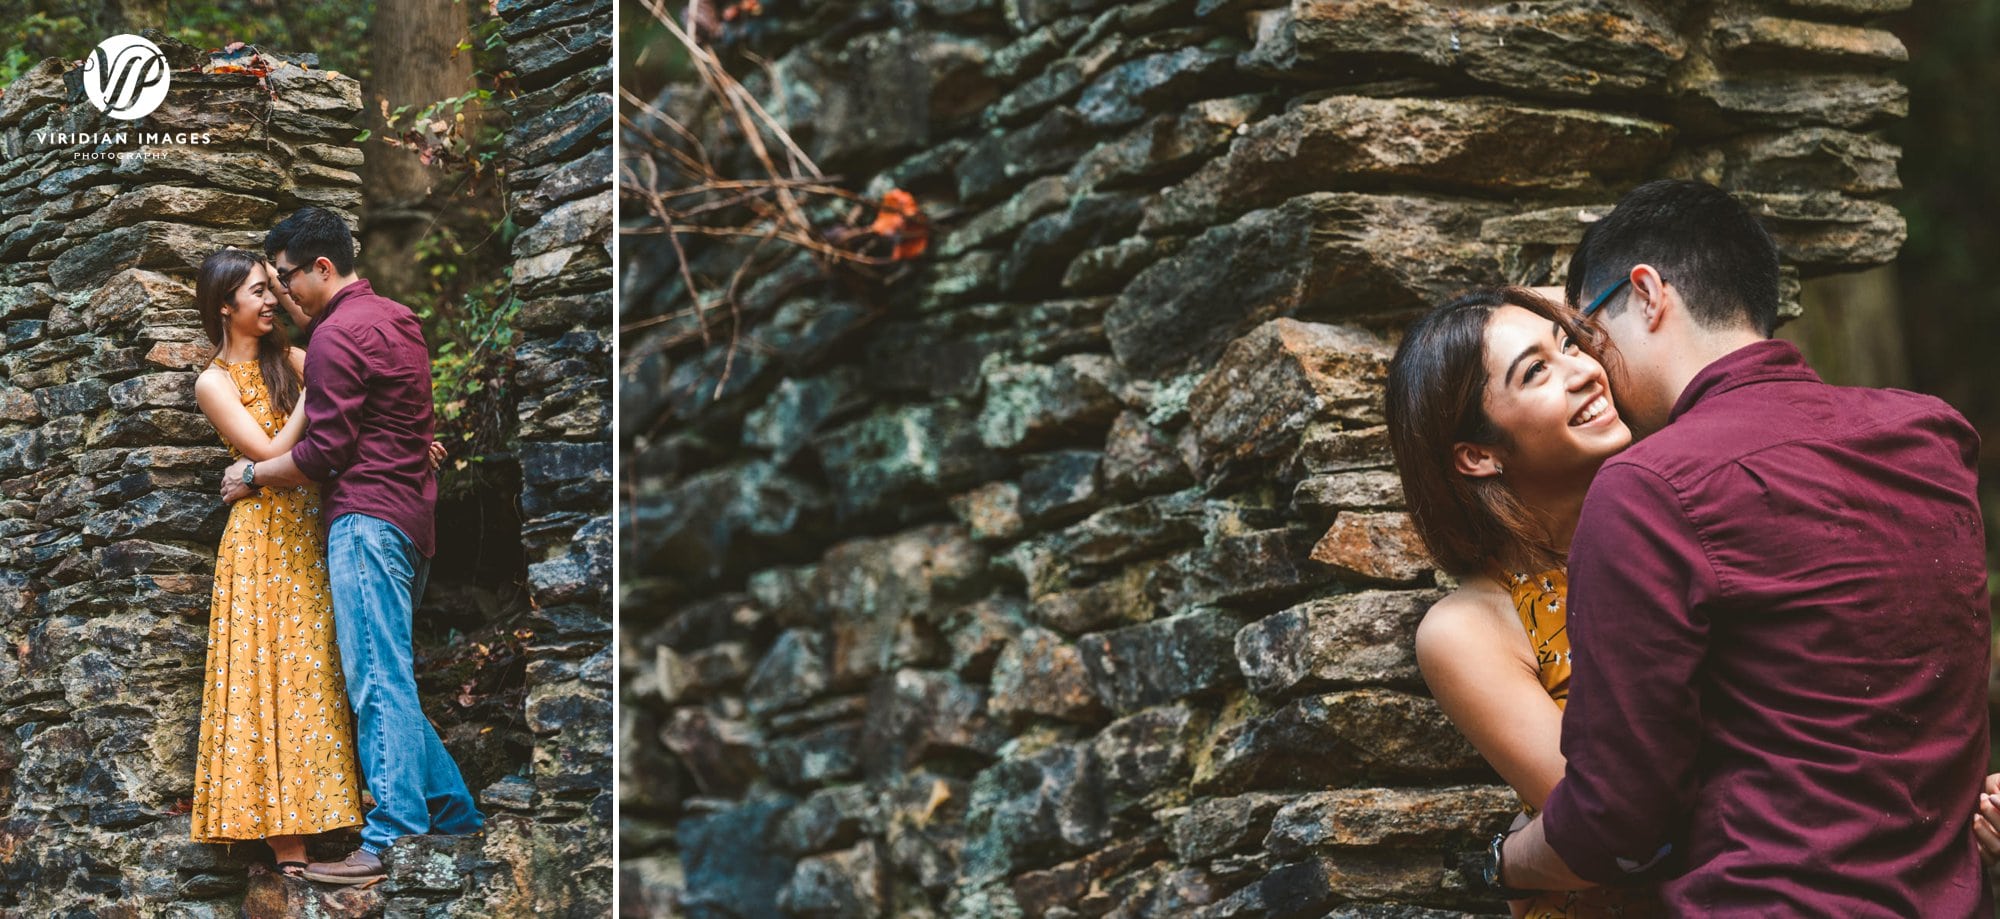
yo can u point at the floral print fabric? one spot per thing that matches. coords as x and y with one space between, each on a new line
276 754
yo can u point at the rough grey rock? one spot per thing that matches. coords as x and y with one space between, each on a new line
1316 256
1031 812
728 868
1040 673
1162 661
1347 640
1269 385
1567 48
1346 141
1332 740
898 456
915 714
1390 817
1030 405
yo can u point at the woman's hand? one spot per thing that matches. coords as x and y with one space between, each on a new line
1986 820
438 455
291 306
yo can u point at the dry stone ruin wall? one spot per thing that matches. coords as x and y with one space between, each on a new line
108 513
109 520
1067 575
558 148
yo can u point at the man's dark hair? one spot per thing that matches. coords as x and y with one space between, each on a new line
1702 241
313 233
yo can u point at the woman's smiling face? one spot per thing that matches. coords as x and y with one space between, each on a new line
251 307
1550 401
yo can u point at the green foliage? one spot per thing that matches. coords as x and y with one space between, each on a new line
1951 179
332 31
649 59
67 29
438 132
465 255
468 314
43 30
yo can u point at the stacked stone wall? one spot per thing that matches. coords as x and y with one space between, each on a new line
558 156
109 516
1066 573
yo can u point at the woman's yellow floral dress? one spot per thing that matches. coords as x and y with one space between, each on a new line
276 756
1539 600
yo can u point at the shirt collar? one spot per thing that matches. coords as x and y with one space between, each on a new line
357 289
1770 359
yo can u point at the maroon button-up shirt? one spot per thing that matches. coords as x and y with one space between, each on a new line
368 414
1779 619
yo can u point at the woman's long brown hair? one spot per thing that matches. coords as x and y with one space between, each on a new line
1436 399
216 284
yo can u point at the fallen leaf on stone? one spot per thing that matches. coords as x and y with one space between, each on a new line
898 206
902 221
940 793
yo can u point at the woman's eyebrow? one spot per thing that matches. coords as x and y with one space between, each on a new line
1525 353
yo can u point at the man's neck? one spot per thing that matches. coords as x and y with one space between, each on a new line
1703 348
340 283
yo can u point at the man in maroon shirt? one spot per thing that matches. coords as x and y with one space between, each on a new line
1777 606
367 442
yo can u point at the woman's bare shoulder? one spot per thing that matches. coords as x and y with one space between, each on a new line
211 377
1477 615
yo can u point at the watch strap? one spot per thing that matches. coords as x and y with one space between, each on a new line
1496 868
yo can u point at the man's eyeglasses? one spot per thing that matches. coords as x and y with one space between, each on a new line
285 276
1594 306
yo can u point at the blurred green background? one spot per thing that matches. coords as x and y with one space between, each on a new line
1931 321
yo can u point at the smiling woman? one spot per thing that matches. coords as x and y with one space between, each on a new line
1480 404
1500 412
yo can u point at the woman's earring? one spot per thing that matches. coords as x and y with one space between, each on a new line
1498 469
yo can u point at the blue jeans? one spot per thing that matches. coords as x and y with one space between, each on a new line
377 577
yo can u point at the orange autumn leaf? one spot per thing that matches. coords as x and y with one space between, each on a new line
898 206
910 246
901 220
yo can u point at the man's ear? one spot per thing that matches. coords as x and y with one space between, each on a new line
1651 291
1476 460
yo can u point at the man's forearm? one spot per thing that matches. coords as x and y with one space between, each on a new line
280 473
1527 863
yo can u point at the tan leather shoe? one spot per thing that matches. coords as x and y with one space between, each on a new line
360 867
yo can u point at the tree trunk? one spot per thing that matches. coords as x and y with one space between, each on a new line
131 16
413 50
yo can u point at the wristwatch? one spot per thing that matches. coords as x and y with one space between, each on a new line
1494 870
250 476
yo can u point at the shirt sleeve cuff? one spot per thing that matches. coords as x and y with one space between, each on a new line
311 462
1575 838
